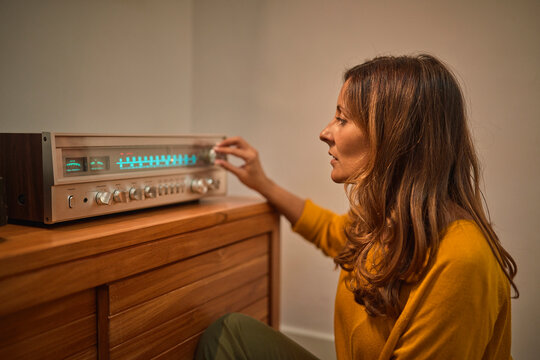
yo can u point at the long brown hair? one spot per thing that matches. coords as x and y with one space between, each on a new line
422 166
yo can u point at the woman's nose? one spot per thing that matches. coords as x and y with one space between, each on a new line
326 135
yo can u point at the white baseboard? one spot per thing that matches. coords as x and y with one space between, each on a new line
318 343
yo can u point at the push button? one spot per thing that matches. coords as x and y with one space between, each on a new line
71 201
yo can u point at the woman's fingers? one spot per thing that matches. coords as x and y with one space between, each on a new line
234 141
228 166
241 153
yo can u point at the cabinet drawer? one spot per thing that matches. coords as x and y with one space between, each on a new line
66 326
164 311
140 288
177 330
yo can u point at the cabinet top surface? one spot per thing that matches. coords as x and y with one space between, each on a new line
65 241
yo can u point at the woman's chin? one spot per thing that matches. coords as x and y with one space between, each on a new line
337 178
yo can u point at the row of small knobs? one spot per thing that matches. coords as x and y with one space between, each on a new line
198 186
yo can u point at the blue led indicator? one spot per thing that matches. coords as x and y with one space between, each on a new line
152 161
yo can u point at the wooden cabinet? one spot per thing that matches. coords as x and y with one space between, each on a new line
137 286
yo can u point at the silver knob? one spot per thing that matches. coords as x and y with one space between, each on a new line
212 156
103 198
150 192
212 184
199 186
136 193
120 196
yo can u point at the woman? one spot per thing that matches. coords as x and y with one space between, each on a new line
423 273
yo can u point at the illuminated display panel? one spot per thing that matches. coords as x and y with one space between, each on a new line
75 165
129 161
111 160
99 163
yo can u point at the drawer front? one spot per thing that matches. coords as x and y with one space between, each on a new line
163 312
140 288
61 328
179 329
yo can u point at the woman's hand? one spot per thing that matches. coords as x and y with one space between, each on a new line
252 175
251 172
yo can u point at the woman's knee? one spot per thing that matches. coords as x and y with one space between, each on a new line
220 334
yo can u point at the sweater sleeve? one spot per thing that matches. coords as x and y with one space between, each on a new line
323 228
460 310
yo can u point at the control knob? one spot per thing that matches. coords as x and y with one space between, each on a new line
103 198
199 186
136 193
212 184
120 196
150 192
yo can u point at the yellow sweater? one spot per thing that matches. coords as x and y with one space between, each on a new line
459 310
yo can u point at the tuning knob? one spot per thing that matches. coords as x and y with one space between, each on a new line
199 186
211 156
103 198
136 193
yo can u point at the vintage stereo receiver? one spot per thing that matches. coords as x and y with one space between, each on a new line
53 177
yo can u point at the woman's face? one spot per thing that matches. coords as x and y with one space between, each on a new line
348 143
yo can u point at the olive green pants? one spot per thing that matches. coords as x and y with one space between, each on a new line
240 337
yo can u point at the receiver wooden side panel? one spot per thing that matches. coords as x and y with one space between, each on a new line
21 165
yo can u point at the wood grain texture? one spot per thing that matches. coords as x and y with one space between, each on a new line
163 274
151 314
21 166
58 343
275 274
139 288
186 350
177 330
25 248
88 354
102 294
183 351
39 319
258 310
24 290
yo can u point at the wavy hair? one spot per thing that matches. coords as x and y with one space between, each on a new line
422 166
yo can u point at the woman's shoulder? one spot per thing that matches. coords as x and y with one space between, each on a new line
463 245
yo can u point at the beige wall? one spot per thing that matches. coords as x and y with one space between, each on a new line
270 70
95 66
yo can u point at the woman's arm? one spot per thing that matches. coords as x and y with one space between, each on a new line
317 225
253 176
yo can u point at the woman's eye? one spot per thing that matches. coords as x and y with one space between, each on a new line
341 121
